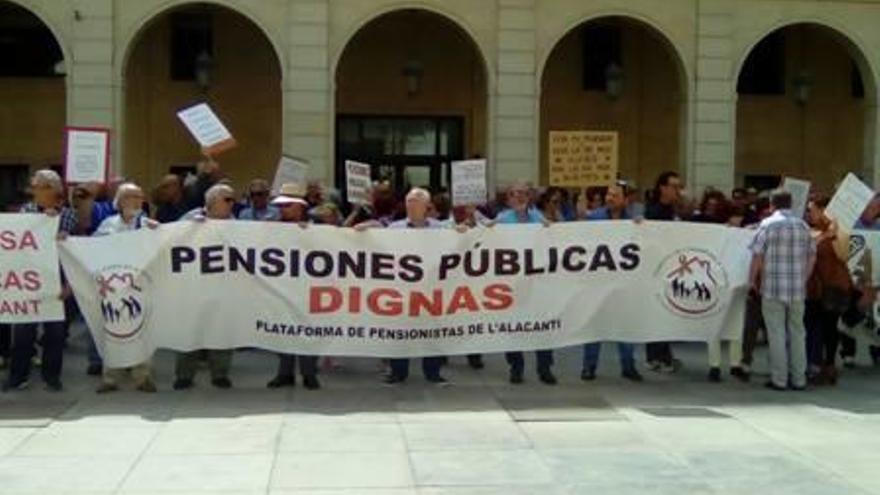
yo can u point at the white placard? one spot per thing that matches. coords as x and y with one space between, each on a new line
800 194
86 155
849 202
205 127
358 182
469 183
290 171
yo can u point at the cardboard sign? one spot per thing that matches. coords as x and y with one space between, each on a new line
290 171
358 182
469 183
86 154
583 158
800 195
849 202
207 129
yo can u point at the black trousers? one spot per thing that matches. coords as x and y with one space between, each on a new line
430 367
516 360
308 365
5 340
822 334
23 338
659 351
753 323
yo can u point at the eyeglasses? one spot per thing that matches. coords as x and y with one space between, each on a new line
260 194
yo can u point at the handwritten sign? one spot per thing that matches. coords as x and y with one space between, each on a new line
469 182
86 155
583 158
849 202
290 171
207 129
800 194
357 179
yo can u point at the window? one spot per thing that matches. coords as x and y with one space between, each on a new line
191 36
764 70
602 49
27 47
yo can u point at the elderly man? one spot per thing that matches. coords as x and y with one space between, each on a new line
260 209
129 203
783 255
219 201
292 207
168 199
520 211
417 205
48 198
616 208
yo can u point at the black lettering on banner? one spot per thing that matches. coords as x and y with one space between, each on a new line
383 266
181 255
348 264
411 269
506 262
631 255
448 262
236 260
476 271
211 259
531 269
273 262
603 258
568 262
316 260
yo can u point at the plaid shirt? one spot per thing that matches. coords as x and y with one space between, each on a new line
66 217
786 246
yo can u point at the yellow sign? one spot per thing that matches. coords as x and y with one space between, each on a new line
583 158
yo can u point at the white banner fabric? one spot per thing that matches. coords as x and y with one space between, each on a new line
406 293
30 282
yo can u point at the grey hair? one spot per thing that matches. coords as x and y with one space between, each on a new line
418 192
125 189
50 177
214 192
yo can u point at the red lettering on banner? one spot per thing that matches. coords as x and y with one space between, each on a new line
28 280
10 240
392 302
20 308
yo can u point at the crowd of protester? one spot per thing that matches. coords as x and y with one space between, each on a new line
802 290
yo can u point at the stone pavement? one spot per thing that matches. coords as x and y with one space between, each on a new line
676 435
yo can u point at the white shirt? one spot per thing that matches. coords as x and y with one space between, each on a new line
115 225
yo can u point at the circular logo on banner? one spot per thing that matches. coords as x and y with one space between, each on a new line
692 280
122 292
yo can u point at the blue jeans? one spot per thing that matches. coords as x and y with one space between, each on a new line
626 351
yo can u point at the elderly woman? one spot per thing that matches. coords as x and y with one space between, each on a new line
129 203
219 202
48 198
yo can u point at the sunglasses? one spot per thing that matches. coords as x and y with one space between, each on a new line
259 194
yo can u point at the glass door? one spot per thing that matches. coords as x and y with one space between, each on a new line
405 151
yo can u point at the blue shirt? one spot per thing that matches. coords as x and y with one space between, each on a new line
269 213
604 213
511 216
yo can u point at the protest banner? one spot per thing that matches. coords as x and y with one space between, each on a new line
583 158
86 154
405 293
358 182
800 194
29 278
207 129
849 202
469 183
290 171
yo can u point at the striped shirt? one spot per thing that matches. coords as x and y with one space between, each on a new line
785 243
67 221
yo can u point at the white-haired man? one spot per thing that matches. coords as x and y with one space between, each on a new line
129 203
47 190
417 205
219 202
